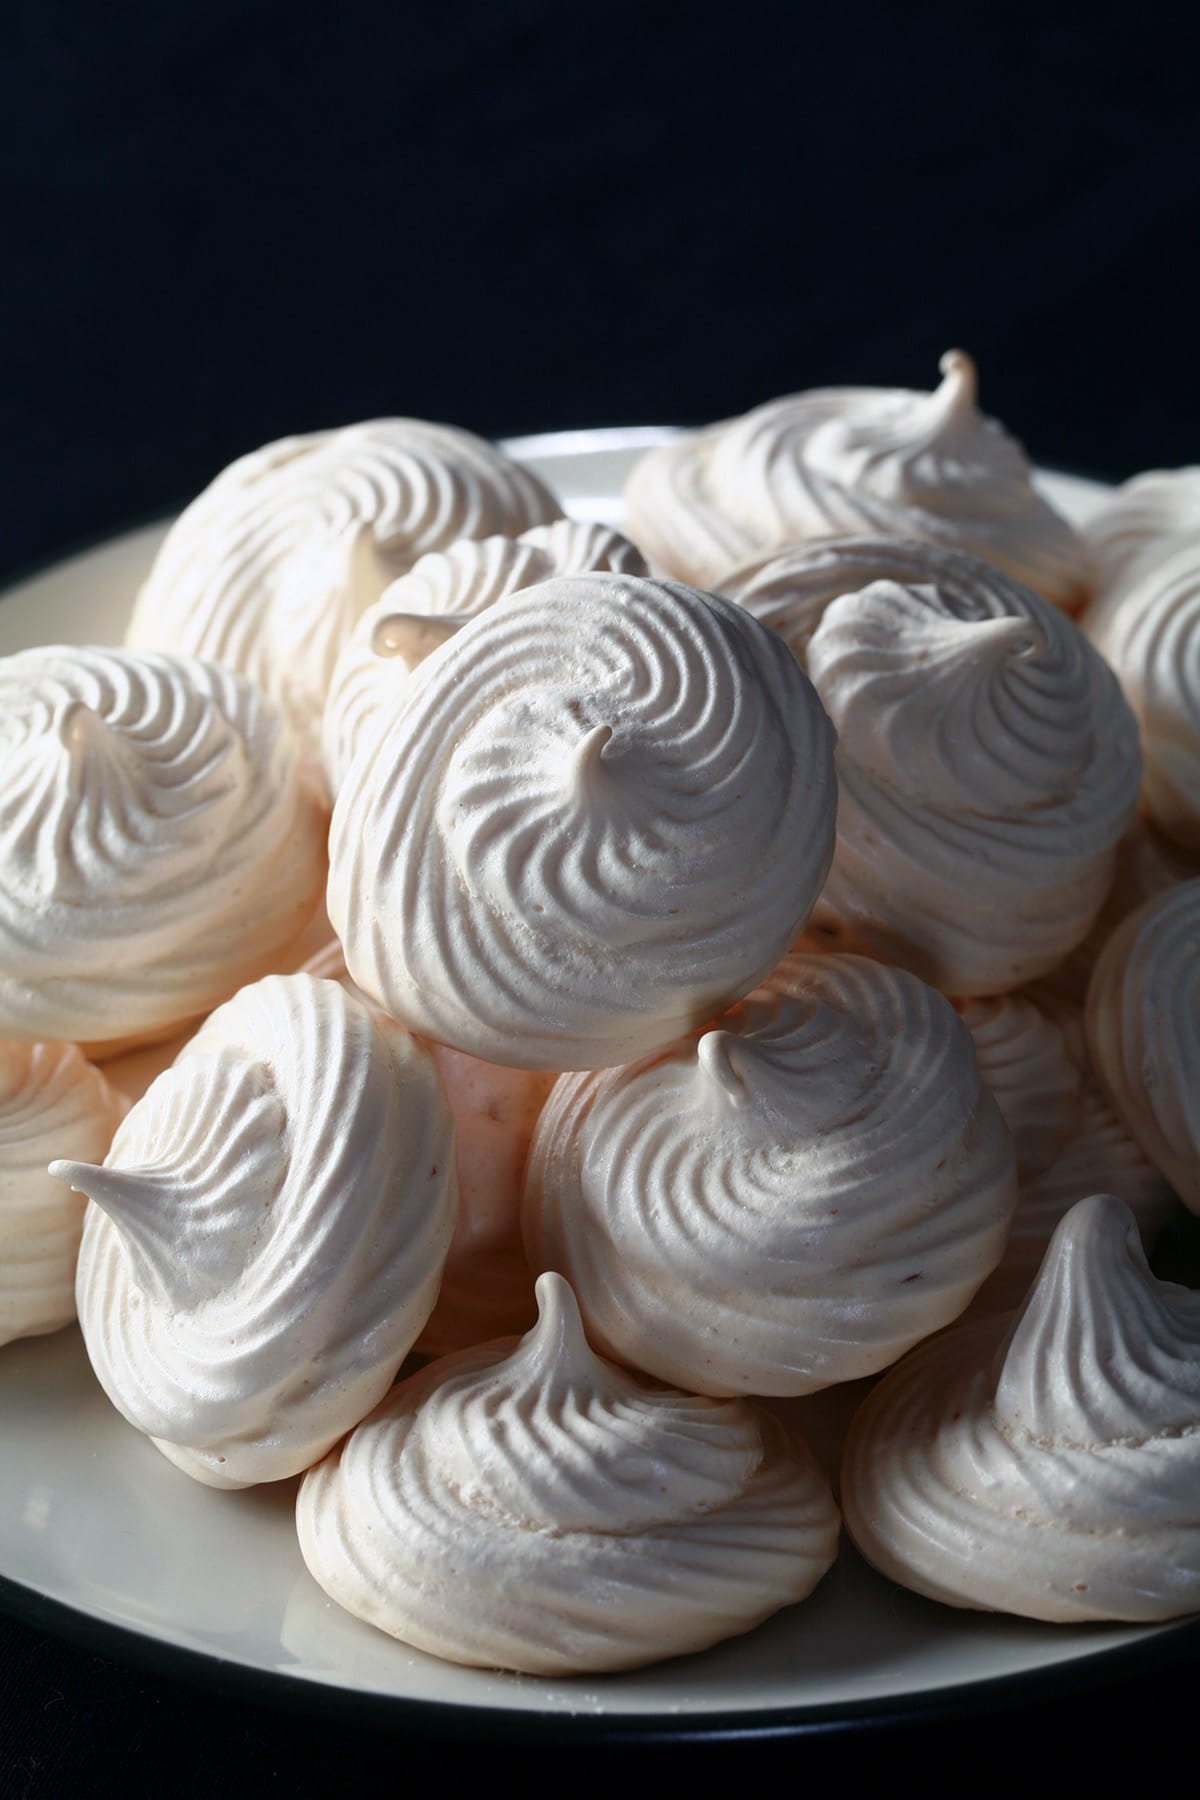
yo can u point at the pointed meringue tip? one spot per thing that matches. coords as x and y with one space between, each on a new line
412 636
588 755
559 1331
712 1055
77 1175
958 373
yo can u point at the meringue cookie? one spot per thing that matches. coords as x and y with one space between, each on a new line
1069 1141
791 1199
1143 1031
838 460
268 1232
987 767
51 1101
487 1286
1027 1062
157 847
425 607
599 814
1147 864
1143 521
1149 630
268 570
528 1506
1050 1467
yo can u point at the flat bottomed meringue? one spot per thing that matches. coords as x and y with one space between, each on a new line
527 1506
1050 1467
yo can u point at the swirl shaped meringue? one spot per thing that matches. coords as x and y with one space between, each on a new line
1049 1466
425 607
528 1506
52 1103
987 767
1149 632
791 1199
267 1232
1143 1032
597 816
837 460
157 847
1143 521
268 570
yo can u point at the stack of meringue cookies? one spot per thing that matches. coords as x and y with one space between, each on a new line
760 952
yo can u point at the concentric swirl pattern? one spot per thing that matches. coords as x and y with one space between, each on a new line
1143 1029
1150 633
1050 1467
839 460
594 818
791 1199
528 1506
52 1103
268 1232
987 767
157 847
268 570
425 607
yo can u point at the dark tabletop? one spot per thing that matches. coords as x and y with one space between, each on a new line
230 220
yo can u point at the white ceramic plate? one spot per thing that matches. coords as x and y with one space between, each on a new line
101 1538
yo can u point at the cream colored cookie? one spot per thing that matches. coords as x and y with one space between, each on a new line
157 846
790 1199
267 1232
837 460
597 816
987 768
1143 1029
529 1506
1049 1466
268 570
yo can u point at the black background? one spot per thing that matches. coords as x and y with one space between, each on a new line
228 221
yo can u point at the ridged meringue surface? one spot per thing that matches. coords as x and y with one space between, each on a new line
425 607
1144 520
789 1200
1068 1139
1143 1030
268 570
987 768
596 816
1025 1059
1050 1467
157 847
528 1506
52 1103
1150 633
268 1232
837 460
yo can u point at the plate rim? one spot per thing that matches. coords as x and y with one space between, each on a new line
1165 1650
